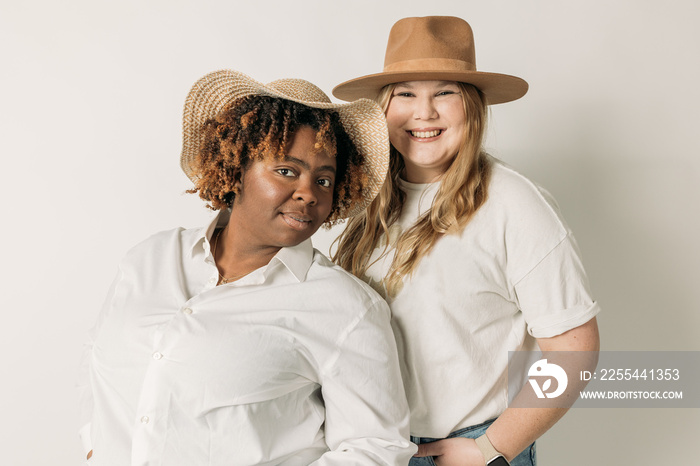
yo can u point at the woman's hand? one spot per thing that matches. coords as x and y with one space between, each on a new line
456 451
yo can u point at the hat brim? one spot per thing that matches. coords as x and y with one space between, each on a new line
498 88
363 120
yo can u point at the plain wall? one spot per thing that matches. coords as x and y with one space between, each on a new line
91 96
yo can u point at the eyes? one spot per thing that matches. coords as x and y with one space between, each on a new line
440 93
323 181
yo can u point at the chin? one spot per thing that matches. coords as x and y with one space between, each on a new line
288 241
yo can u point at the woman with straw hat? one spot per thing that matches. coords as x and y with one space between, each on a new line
237 343
473 258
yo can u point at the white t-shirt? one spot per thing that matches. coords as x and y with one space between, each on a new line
514 273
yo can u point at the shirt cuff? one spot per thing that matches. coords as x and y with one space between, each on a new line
551 326
84 434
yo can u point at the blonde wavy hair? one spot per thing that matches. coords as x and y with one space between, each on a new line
463 189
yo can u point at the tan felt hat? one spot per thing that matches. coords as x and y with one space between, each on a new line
363 120
433 48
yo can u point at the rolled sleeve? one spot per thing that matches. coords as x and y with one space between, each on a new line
555 295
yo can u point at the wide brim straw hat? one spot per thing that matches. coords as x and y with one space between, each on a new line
439 48
363 120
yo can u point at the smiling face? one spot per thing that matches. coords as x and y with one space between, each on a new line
282 202
427 123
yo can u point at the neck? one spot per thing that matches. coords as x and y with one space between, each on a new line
234 258
420 175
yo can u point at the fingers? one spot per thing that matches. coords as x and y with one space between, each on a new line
428 449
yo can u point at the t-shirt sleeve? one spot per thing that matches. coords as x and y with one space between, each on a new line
555 295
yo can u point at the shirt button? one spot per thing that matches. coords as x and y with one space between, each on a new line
157 355
144 420
212 281
187 310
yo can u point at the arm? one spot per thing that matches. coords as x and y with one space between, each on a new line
83 380
516 428
367 419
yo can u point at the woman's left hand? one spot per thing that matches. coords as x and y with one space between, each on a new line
458 451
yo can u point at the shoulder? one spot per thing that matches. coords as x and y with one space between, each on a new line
522 218
508 184
160 244
523 202
342 286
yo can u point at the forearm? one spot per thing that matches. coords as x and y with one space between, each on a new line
516 428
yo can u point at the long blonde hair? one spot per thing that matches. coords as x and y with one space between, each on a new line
463 189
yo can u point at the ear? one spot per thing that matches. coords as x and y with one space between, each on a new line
238 182
234 190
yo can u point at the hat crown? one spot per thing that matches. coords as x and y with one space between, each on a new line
300 90
432 41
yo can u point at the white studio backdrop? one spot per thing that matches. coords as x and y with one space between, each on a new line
91 101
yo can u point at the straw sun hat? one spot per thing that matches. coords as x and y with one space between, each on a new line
363 120
433 48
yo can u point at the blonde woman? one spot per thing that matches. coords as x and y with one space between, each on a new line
473 258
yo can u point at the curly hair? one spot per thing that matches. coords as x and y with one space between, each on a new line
254 128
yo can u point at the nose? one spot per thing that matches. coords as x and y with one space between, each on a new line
304 192
425 109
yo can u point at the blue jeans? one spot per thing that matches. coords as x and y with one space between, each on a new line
525 458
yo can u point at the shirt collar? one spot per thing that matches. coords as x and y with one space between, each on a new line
297 259
200 241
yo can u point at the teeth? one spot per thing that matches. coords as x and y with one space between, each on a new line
425 134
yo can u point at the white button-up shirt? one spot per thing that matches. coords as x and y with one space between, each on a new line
294 364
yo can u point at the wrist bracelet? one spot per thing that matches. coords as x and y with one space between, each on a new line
492 457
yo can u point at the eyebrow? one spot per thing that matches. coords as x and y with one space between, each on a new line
408 85
306 166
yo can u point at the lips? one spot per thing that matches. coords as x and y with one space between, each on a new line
425 134
297 220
